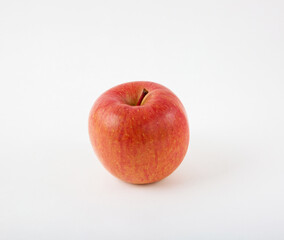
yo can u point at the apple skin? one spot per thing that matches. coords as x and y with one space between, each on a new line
139 144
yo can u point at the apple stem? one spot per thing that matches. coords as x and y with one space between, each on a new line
144 93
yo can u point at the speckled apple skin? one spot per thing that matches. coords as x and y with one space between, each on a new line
139 144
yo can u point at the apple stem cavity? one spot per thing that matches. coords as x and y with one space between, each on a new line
144 93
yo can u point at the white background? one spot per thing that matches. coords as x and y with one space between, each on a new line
223 59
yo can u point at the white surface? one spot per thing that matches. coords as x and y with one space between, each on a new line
223 59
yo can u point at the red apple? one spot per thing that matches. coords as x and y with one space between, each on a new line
139 131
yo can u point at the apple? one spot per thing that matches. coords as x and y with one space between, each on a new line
139 131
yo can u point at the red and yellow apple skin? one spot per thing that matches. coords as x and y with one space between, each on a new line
139 144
